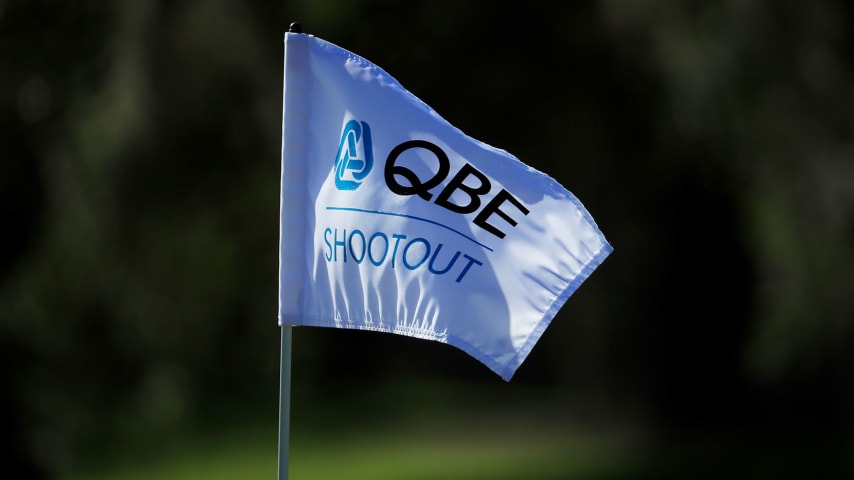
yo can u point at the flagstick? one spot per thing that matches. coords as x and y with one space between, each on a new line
285 375
285 401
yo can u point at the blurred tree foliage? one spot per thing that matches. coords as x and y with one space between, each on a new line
712 142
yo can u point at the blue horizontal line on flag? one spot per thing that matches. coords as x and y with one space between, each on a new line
412 217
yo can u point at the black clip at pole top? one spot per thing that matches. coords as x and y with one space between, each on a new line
295 28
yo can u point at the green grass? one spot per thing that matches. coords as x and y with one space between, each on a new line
426 432
458 449
404 452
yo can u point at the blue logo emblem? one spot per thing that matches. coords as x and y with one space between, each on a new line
355 156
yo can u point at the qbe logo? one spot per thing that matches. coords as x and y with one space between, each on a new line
468 191
457 187
355 156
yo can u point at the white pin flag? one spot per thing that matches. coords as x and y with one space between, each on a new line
393 220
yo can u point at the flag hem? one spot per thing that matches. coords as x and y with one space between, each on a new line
505 370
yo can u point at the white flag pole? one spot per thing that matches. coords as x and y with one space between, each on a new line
285 376
285 401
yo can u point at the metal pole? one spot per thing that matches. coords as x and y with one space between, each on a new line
285 375
285 401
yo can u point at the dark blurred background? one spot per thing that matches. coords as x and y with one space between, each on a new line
713 142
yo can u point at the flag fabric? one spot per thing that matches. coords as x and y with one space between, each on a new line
393 220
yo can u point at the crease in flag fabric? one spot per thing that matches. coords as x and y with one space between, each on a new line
393 220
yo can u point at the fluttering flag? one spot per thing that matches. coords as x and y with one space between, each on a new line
393 220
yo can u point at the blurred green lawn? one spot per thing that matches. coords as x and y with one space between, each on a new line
408 431
405 451
444 451
435 431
